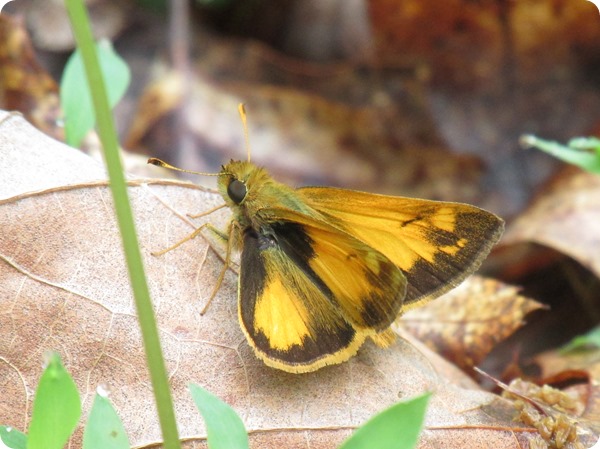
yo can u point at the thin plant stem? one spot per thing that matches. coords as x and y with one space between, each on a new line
106 130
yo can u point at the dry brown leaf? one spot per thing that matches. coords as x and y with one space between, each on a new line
473 42
466 323
404 35
25 86
564 217
64 287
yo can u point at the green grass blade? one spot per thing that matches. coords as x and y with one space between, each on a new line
224 427
75 97
12 438
104 429
56 408
398 427
106 131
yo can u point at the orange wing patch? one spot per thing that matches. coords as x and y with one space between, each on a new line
282 317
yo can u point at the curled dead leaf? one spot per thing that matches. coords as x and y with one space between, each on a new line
564 217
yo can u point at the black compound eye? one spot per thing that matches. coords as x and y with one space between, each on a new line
237 191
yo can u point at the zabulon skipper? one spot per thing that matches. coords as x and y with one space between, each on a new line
322 269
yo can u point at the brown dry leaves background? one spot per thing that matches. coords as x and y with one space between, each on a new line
417 98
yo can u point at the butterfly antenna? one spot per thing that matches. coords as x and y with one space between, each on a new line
158 162
242 111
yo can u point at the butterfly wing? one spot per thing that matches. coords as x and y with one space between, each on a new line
309 294
435 244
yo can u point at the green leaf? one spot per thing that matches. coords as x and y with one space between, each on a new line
591 340
583 152
224 427
56 408
398 427
12 438
104 429
585 143
75 96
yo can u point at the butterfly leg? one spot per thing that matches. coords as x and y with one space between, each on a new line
229 239
181 242
207 212
197 231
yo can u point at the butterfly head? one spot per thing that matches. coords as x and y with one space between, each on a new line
240 181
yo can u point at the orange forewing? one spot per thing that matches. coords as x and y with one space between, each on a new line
435 244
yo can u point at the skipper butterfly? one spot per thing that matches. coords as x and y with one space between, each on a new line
323 269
